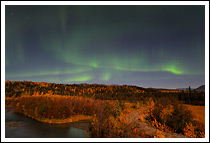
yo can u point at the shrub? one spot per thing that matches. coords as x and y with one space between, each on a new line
117 110
112 127
159 134
138 104
189 131
167 111
55 106
179 118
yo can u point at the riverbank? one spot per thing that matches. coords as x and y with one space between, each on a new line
18 125
74 118
55 109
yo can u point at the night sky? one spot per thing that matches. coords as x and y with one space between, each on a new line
147 46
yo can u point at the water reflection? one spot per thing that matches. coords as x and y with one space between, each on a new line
33 129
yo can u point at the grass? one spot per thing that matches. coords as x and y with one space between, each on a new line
67 120
199 115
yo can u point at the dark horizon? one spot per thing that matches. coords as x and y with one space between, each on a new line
157 46
108 84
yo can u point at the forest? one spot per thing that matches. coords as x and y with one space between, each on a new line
98 91
107 107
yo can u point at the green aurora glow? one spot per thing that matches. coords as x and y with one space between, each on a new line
105 44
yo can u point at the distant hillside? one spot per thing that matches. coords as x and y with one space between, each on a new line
96 91
184 89
201 88
16 89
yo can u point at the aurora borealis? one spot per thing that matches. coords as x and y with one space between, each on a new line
148 46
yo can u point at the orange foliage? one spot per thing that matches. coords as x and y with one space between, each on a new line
115 128
161 127
8 101
202 134
199 116
128 110
159 134
189 131
56 106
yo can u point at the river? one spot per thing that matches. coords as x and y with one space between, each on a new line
20 126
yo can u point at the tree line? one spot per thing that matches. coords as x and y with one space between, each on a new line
98 91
